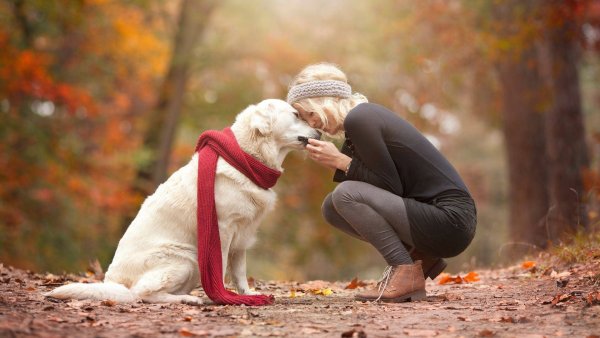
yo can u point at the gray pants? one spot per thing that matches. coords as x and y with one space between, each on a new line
373 215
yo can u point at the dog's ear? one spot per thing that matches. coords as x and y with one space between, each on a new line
261 121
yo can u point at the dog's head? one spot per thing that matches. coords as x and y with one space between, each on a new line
278 120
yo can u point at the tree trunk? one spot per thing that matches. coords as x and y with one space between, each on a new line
162 124
523 126
565 134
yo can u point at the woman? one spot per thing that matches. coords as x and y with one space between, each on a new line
397 191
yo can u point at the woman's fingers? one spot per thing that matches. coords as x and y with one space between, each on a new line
316 143
322 152
311 148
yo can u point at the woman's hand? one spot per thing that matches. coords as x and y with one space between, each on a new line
327 154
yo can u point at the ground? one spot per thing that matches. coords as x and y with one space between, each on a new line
525 300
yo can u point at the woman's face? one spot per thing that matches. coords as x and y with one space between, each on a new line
314 120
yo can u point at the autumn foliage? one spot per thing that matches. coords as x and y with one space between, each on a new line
68 126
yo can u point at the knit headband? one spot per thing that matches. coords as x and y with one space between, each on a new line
319 88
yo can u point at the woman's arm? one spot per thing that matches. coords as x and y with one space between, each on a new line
326 154
376 166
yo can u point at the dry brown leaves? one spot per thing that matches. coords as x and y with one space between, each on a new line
355 283
446 278
590 299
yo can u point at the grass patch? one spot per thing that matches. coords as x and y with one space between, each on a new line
583 247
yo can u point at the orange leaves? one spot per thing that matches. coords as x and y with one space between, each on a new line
471 277
26 74
527 265
446 278
355 283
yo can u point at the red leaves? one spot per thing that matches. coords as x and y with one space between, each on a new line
355 283
446 278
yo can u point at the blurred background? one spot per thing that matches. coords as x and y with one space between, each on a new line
100 100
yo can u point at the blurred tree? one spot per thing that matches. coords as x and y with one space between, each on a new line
164 118
543 121
71 75
523 119
565 132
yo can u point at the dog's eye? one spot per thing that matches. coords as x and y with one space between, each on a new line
296 114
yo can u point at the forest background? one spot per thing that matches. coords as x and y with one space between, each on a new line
101 100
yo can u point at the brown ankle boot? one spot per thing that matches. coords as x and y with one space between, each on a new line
432 266
400 283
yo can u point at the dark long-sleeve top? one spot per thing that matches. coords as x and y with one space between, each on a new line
390 153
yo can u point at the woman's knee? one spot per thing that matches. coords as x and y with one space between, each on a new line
328 210
347 192
332 217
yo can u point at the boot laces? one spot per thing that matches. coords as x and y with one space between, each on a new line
383 282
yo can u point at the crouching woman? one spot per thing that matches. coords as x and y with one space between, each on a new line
396 192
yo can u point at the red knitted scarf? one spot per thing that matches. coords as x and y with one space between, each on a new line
211 145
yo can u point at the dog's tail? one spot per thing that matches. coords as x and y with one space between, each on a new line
98 291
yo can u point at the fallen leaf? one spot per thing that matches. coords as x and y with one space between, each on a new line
560 275
592 298
518 319
296 293
528 265
56 319
446 278
324 292
185 332
561 298
561 283
471 277
108 303
486 333
251 282
355 283
354 333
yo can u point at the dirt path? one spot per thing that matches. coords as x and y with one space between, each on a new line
511 302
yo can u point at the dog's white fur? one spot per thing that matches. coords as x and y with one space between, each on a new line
156 259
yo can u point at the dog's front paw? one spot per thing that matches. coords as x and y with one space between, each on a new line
249 292
191 300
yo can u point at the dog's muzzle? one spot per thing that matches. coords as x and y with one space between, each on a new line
304 139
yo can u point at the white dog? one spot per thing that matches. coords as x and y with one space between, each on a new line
156 260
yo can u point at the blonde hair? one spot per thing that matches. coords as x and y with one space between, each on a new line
337 106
